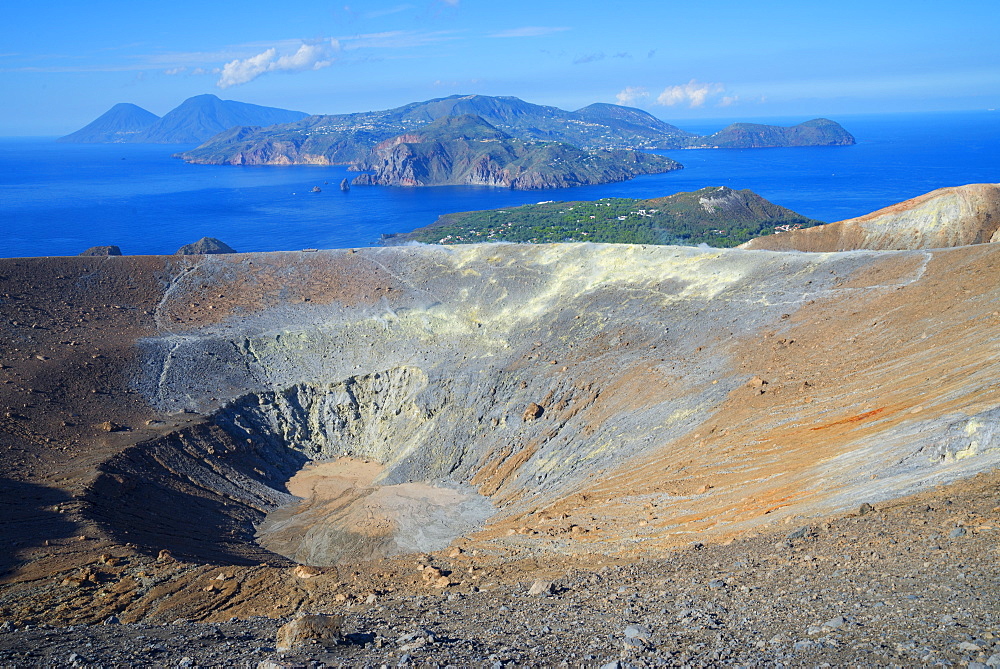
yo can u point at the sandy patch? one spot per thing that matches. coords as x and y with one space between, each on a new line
345 516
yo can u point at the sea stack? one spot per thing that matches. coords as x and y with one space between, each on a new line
345 185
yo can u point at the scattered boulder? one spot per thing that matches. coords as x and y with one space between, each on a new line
540 587
638 637
84 577
204 246
306 571
110 250
108 426
835 623
800 533
416 640
532 412
316 628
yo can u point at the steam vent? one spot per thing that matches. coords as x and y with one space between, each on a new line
241 414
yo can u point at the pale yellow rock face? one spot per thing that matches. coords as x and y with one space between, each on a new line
943 218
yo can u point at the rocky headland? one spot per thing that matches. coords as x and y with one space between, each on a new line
468 151
689 456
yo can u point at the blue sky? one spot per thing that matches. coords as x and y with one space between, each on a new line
63 63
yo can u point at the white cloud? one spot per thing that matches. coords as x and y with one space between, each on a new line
175 70
529 31
693 93
631 95
307 57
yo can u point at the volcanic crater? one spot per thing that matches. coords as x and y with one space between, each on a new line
513 402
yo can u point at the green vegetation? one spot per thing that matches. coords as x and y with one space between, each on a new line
717 216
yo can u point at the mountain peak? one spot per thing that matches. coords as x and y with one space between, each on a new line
122 123
192 122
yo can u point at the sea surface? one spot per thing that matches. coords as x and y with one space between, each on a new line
59 199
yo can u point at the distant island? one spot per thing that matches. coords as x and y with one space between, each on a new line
458 140
193 121
499 141
717 216
347 139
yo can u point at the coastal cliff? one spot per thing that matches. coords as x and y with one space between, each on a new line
466 150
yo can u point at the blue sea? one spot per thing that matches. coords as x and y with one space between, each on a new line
59 199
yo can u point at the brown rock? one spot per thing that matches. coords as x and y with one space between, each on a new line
84 577
532 412
305 571
315 628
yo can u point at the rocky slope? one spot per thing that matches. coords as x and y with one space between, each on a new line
902 585
466 150
946 217
713 426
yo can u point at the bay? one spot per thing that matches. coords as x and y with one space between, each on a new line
59 199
